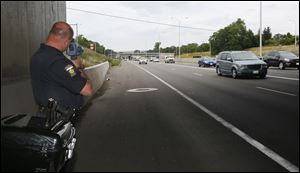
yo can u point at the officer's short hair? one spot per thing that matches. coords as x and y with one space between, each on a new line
59 29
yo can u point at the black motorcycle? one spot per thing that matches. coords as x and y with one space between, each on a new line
43 142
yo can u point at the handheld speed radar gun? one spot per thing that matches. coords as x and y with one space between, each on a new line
74 50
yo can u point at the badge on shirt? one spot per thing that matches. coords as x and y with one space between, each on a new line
70 70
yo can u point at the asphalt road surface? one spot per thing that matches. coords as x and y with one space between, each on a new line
193 120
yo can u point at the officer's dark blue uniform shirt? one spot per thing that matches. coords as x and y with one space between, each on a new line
55 76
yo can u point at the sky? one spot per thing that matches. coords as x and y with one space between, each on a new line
208 16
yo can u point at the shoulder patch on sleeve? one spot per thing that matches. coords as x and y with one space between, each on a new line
70 69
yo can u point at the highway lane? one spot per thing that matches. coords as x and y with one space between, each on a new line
270 117
272 71
281 81
288 72
287 82
155 131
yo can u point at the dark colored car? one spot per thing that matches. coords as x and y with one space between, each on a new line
281 59
206 62
240 63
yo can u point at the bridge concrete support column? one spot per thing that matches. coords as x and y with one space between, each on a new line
24 25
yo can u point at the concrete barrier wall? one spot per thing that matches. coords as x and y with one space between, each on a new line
97 75
24 25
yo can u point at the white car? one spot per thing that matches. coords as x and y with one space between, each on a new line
169 59
156 60
143 61
152 59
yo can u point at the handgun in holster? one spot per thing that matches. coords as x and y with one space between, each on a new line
57 115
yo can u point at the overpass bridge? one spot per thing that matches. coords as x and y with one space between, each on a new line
143 54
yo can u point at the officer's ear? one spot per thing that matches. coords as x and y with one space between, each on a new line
66 43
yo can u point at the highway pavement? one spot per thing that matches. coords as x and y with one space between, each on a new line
191 120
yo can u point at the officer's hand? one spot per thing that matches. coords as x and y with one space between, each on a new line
78 63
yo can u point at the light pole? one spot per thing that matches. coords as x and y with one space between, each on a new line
295 40
76 24
159 32
158 43
179 39
210 48
146 48
159 46
295 31
179 34
260 31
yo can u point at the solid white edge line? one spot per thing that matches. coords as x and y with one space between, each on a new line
268 152
280 92
141 90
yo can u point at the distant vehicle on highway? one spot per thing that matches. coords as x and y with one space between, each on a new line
240 63
169 59
156 60
143 61
281 59
152 58
206 62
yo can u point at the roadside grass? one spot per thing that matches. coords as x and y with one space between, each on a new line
90 58
190 55
265 50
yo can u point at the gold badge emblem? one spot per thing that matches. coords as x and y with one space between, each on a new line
70 70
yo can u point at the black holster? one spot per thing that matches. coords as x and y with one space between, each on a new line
52 116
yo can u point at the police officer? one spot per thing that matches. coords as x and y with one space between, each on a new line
55 76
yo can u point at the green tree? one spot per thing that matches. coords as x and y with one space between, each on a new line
171 49
267 35
137 51
86 43
233 37
83 41
204 47
100 48
109 52
156 46
192 47
278 37
287 39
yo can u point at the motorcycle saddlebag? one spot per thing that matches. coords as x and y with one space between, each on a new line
26 147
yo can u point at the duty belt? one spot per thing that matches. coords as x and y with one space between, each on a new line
55 114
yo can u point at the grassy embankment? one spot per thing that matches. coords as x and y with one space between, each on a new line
266 49
90 58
